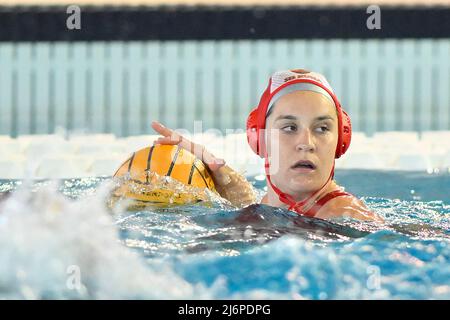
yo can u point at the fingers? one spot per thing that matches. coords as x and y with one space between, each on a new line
166 140
212 161
172 138
214 166
169 136
161 129
200 152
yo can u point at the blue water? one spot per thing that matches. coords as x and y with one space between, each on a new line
199 251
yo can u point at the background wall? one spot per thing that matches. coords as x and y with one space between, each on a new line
126 67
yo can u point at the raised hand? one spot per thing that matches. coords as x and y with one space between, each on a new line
171 137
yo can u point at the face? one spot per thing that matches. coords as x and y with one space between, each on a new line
301 135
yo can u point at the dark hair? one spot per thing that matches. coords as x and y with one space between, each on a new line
270 110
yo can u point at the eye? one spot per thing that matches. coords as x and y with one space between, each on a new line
323 129
289 128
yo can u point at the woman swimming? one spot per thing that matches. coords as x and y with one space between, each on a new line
299 128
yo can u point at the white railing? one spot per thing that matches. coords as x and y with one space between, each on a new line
119 87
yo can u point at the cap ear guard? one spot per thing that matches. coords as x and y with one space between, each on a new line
252 130
346 135
253 120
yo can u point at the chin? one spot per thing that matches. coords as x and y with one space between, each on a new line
298 187
301 184
304 189
301 181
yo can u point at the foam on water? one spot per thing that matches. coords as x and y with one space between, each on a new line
49 240
383 265
55 236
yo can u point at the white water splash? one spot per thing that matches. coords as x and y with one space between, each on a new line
56 248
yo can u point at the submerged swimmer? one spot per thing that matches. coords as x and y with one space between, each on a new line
299 128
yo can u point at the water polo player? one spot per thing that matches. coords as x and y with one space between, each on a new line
299 128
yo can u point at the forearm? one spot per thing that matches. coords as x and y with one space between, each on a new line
234 187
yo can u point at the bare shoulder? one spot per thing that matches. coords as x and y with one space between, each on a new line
347 206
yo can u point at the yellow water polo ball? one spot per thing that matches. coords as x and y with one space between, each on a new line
166 161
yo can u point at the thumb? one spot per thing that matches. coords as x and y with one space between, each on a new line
212 161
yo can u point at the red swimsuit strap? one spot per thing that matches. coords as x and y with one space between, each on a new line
321 202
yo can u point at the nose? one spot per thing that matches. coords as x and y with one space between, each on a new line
305 142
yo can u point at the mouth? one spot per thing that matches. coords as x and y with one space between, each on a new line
304 166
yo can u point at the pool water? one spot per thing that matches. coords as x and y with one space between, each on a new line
60 241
